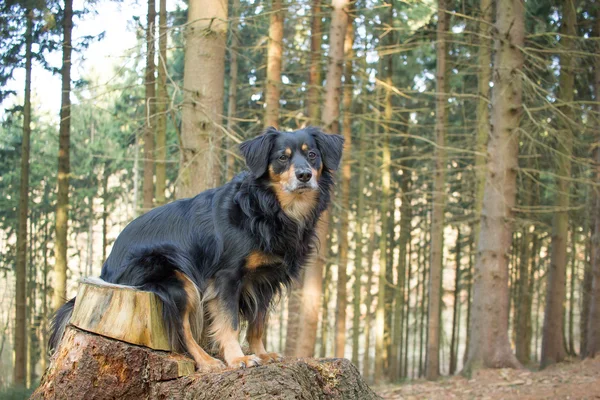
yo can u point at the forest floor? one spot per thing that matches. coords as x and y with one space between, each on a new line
569 380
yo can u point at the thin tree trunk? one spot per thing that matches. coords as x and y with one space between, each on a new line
20 338
586 286
274 53
469 283
314 76
572 291
593 328
424 299
522 325
325 312
358 258
369 300
150 117
553 350
105 201
203 89
162 101
489 343
232 94
456 306
342 298
408 264
432 366
62 196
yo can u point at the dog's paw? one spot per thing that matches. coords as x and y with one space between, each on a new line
245 362
269 357
211 366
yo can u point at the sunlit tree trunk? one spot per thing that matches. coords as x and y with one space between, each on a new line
162 101
62 196
553 350
432 366
489 344
369 297
456 306
274 53
314 76
150 116
342 299
20 338
203 88
358 257
232 94
593 327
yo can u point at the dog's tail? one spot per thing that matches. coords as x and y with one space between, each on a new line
59 323
169 273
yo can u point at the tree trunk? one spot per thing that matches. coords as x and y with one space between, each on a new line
593 327
20 338
333 86
553 350
342 298
358 257
203 87
62 196
150 117
232 94
162 101
369 299
489 344
455 307
274 53
432 366
572 291
314 76
522 325
88 366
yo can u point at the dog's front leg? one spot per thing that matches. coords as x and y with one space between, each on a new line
256 330
225 330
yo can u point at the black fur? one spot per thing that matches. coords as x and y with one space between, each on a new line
209 237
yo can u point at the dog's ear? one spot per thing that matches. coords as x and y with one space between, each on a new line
257 151
330 146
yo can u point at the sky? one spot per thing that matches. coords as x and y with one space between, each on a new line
99 59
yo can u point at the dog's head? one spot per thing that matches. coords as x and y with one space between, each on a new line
293 162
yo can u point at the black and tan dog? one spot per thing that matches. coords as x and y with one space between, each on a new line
229 251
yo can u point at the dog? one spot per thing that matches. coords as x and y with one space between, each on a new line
227 253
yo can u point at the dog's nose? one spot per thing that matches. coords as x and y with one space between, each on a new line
304 175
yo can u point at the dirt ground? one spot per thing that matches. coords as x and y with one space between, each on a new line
570 380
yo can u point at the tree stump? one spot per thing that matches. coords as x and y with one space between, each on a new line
89 366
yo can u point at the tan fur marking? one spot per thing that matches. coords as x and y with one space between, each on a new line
296 205
258 259
203 360
288 152
304 147
254 336
222 331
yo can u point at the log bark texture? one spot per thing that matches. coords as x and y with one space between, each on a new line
88 366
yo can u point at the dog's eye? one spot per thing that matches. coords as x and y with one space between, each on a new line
312 155
283 158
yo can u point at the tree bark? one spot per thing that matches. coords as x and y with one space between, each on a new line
369 298
456 306
162 101
314 76
553 350
88 366
150 117
342 297
593 328
203 87
489 343
432 366
62 196
20 342
232 94
274 53
358 256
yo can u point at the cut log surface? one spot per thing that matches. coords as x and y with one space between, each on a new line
120 312
88 366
